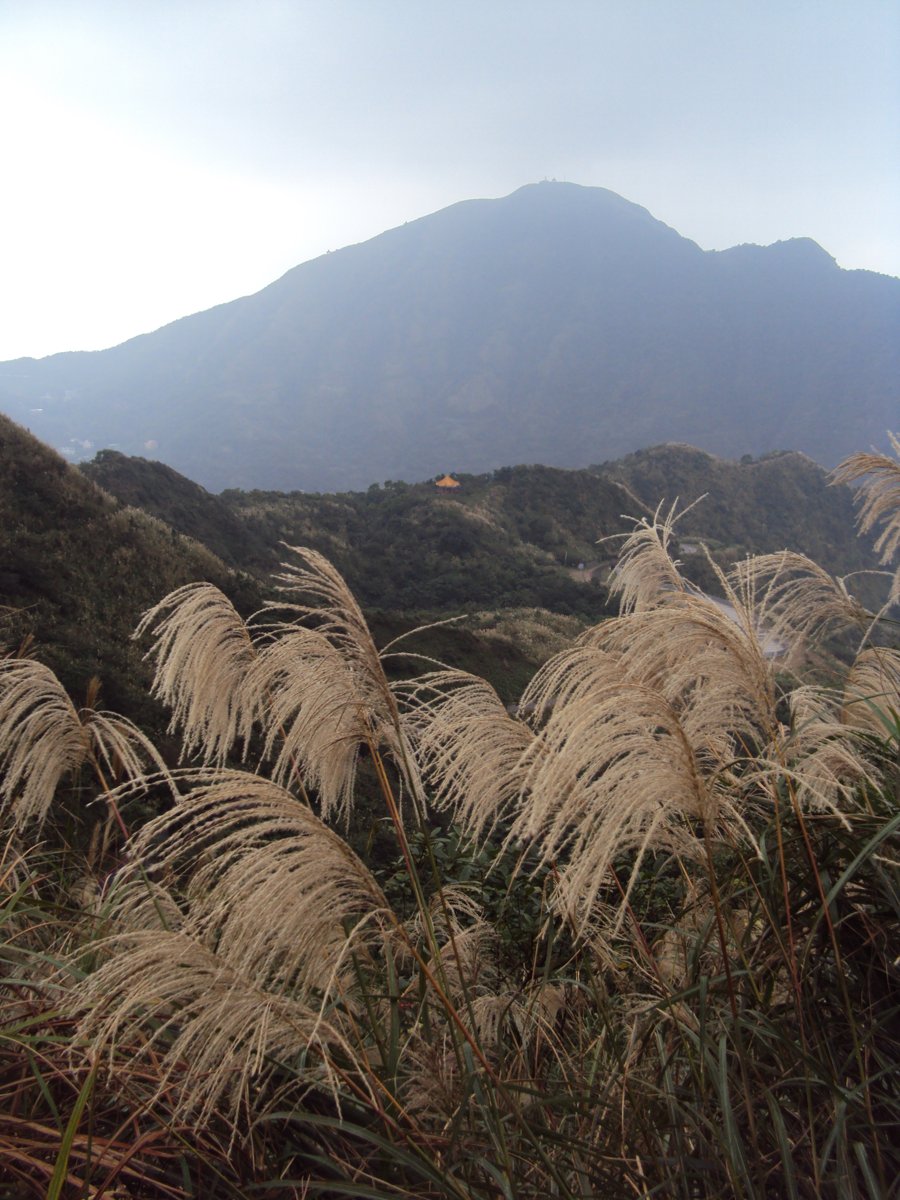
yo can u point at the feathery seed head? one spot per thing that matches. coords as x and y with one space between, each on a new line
646 570
879 494
45 740
251 945
203 654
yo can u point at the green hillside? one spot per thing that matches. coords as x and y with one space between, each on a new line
780 501
79 565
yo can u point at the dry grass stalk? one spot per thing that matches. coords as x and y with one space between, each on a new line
361 693
650 718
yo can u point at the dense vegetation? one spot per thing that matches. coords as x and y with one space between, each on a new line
749 507
78 567
637 938
514 536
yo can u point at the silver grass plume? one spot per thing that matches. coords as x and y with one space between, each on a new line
317 713
708 660
643 728
639 731
305 670
271 905
803 602
326 685
618 775
655 731
203 654
45 739
823 757
215 1032
469 746
871 699
879 491
336 614
708 663
646 569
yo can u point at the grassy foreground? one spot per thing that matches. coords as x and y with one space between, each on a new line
637 939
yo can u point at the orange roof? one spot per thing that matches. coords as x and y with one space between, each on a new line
447 482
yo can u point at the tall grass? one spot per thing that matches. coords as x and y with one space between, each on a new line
638 939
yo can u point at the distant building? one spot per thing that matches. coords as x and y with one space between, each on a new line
447 481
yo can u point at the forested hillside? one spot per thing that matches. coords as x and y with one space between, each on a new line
514 536
80 562
78 567
780 501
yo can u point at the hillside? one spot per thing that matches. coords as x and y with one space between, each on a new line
561 325
515 536
509 539
186 506
78 567
752 506
80 562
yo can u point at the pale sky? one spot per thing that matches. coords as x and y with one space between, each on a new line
162 156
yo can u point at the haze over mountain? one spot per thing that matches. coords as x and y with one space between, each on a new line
561 325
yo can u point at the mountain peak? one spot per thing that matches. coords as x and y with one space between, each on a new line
799 253
560 196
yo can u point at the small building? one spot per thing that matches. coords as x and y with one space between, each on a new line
447 481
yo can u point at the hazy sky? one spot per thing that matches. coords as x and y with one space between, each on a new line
162 156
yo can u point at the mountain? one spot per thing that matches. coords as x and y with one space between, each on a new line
561 325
